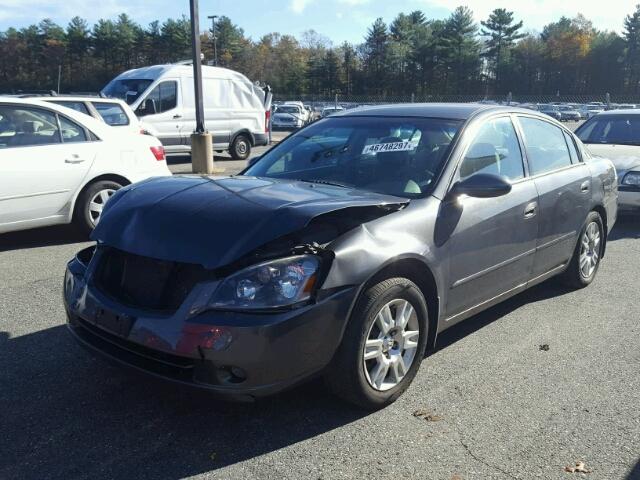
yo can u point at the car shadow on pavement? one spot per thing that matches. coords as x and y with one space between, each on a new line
627 226
550 289
634 474
66 414
41 237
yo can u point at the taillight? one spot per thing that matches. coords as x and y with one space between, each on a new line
158 152
267 119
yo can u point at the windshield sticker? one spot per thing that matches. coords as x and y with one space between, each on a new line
390 147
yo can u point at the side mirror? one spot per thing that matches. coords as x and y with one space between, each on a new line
148 107
481 185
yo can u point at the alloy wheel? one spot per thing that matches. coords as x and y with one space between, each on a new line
589 250
391 344
97 203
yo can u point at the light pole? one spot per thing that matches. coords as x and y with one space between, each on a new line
201 147
215 38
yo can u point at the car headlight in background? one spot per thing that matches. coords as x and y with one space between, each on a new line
632 178
276 283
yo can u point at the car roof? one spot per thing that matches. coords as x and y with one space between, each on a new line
154 72
623 111
79 98
98 127
457 111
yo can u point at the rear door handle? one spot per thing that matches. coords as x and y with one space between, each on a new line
177 115
75 158
530 210
584 188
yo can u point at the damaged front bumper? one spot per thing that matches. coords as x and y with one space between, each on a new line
236 354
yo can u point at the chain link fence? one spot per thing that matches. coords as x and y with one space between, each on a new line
360 100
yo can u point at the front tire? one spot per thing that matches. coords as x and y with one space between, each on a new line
91 202
383 345
240 148
584 264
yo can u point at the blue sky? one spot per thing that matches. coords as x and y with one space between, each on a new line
337 19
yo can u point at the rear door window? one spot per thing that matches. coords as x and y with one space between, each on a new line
546 146
72 132
77 106
112 113
27 126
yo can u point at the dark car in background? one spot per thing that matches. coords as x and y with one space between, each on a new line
343 252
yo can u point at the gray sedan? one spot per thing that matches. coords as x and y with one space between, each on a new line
343 252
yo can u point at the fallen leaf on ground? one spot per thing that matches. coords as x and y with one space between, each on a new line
544 347
426 415
456 477
579 468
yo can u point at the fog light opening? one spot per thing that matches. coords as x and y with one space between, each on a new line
231 374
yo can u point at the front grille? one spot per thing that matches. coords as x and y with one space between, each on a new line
147 283
150 360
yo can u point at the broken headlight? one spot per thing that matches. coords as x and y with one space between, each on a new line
277 283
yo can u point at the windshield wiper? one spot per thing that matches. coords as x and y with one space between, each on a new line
326 182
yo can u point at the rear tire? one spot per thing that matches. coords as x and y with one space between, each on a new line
372 368
584 264
240 148
90 203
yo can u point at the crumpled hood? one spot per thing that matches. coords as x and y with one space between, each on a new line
623 157
215 221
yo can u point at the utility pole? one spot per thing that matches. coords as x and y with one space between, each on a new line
201 146
214 36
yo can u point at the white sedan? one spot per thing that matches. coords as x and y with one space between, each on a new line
615 134
60 166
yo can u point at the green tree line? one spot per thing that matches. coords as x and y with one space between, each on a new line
411 55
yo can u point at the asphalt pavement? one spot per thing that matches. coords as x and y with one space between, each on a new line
543 381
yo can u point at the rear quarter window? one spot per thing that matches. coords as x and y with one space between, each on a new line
112 113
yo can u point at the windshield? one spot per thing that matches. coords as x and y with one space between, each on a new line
612 129
287 110
390 155
127 89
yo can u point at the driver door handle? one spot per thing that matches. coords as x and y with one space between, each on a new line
530 210
584 188
177 115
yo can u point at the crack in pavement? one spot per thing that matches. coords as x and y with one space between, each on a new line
482 461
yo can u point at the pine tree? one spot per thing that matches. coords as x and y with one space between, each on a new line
502 33
632 54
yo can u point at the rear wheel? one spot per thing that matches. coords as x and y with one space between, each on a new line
91 202
382 346
584 264
240 148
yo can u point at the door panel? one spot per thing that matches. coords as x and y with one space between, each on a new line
564 190
168 120
494 239
564 204
492 248
38 172
39 181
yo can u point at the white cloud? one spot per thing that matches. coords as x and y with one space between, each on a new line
298 6
36 10
537 13
354 2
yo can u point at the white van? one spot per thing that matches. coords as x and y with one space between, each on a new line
236 111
